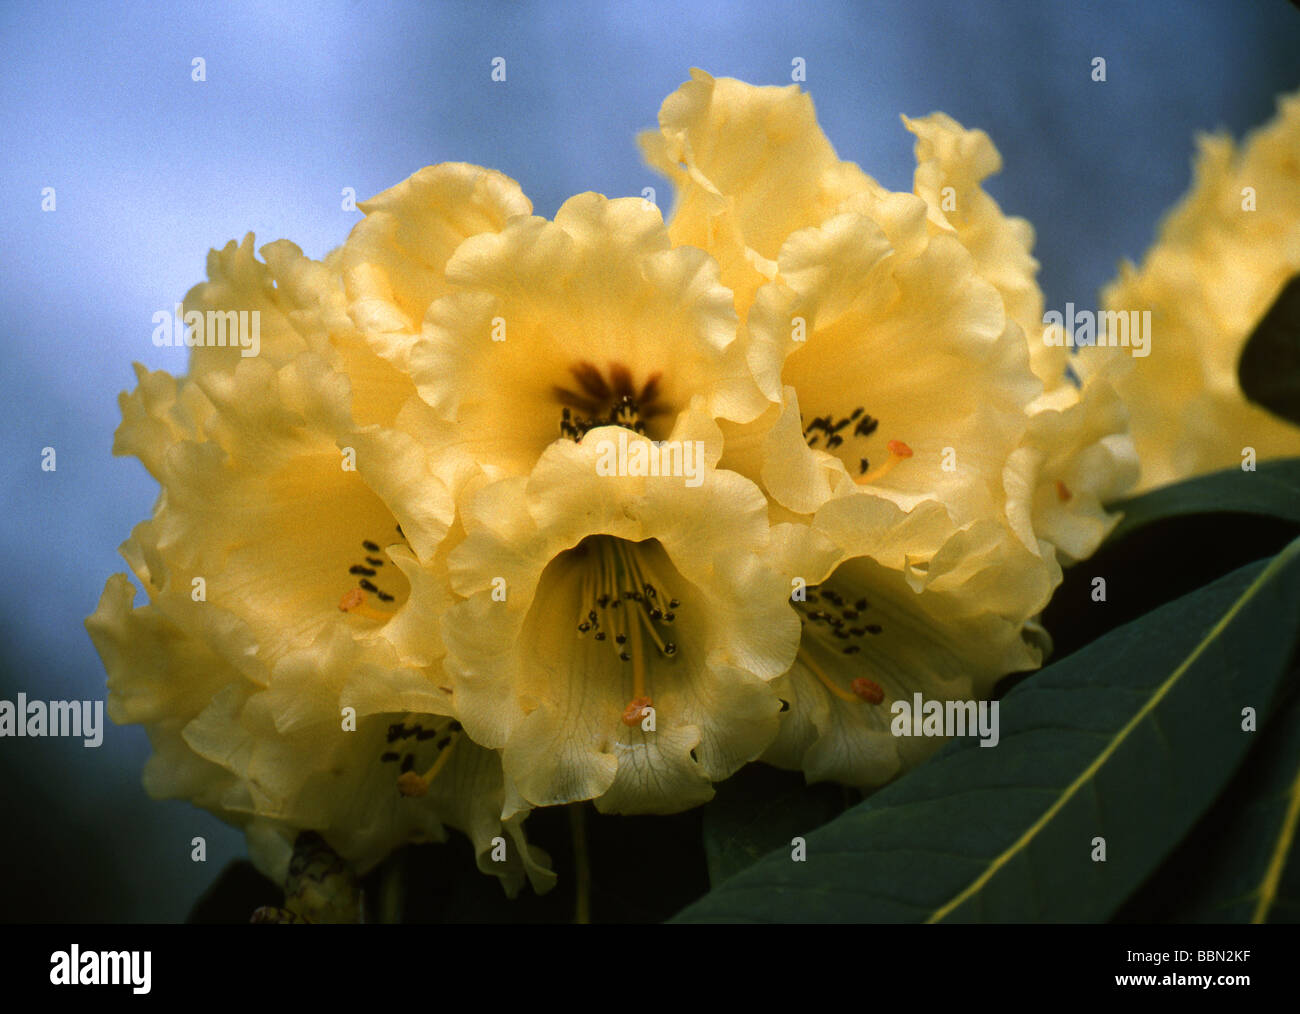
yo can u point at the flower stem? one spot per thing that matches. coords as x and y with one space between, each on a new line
582 880
391 883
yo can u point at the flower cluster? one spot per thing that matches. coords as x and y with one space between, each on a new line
1223 255
399 580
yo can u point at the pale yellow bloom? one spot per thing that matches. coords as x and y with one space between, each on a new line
1222 256
936 447
405 504
750 166
952 162
553 328
275 758
1077 454
550 339
290 570
1077 457
618 631
903 431
394 262
884 618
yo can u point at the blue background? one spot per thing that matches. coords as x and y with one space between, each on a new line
151 169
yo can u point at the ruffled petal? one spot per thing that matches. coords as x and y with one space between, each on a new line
750 166
1217 266
588 592
881 333
557 326
952 163
394 261
890 616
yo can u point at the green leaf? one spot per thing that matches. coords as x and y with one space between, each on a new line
760 809
1242 861
1272 490
1269 367
1173 540
1129 739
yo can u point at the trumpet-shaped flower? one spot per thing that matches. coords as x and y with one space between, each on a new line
291 559
552 329
1222 256
884 619
323 744
899 338
619 628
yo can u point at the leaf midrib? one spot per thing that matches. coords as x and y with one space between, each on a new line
1278 563
1281 851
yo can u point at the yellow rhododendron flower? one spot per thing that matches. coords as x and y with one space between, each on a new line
275 758
555 328
752 167
598 507
395 261
554 338
287 661
1222 256
933 589
618 630
951 164
945 460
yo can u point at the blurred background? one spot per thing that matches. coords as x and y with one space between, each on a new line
151 168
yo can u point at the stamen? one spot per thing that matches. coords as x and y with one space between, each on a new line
839 623
612 402
1063 491
829 427
369 569
834 621
620 605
